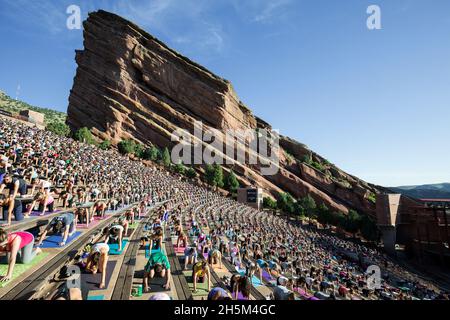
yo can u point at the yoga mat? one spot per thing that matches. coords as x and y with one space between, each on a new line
133 225
240 296
267 277
156 285
91 281
20 268
53 241
37 213
100 297
148 253
256 282
202 288
178 249
114 246
85 226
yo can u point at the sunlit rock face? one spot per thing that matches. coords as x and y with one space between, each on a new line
129 84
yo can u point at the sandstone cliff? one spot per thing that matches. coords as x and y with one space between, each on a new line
130 85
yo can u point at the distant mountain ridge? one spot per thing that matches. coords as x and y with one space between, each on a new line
426 191
15 106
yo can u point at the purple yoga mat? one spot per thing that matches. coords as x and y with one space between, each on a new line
37 213
240 296
266 276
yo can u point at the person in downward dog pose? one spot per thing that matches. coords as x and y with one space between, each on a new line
17 244
200 271
97 261
63 224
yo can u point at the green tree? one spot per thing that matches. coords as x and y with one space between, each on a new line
324 214
58 128
269 203
368 228
105 145
180 168
309 205
139 150
190 173
307 158
352 222
299 210
126 146
218 176
231 182
209 174
165 157
84 135
286 203
151 153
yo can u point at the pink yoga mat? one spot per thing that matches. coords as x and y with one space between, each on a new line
179 249
91 224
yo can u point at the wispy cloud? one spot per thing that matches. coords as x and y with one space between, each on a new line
262 11
271 9
186 24
39 15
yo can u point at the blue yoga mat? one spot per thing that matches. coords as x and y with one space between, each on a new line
101 297
114 246
54 240
256 282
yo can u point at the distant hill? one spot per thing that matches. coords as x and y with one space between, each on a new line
15 106
427 191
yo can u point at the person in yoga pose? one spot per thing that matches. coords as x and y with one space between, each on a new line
156 240
215 257
218 293
11 206
200 271
45 201
157 264
99 208
17 187
97 261
114 234
63 224
240 284
182 238
17 244
190 256
129 216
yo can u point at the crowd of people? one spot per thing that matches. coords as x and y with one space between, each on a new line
40 171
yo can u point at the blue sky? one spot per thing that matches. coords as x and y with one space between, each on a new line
375 103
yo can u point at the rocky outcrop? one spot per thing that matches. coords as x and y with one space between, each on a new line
130 85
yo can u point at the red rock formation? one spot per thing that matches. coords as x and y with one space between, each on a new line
130 85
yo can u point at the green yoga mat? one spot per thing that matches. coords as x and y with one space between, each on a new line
202 288
133 225
20 268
